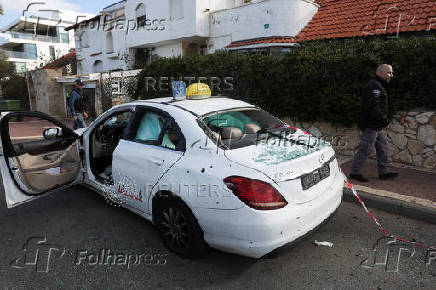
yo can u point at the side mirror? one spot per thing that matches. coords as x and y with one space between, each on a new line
52 133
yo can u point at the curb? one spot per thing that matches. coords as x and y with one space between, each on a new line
404 208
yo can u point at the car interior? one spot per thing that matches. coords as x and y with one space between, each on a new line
236 129
150 128
103 141
106 136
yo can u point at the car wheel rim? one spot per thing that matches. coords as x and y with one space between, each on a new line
175 228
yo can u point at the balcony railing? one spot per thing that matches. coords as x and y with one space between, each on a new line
17 54
31 36
27 36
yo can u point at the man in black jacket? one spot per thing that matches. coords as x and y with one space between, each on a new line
77 103
373 124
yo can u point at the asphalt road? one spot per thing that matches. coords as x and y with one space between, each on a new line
78 223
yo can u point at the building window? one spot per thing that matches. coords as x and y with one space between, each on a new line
109 43
52 52
20 67
30 50
176 9
64 35
140 15
98 66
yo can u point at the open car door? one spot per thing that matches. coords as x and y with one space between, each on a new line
38 155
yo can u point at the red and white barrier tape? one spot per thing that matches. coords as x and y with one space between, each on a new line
350 186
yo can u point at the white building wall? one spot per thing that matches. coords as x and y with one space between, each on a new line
202 7
97 50
262 18
216 22
220 4
166 28
169 50
217 43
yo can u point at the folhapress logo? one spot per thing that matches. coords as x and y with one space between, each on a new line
387 253
38 254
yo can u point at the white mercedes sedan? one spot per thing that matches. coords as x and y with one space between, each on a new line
213 172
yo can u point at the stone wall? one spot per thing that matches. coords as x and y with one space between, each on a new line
49 98
411 138
55 94
118 86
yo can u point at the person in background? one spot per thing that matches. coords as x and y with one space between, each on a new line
373 124
77 103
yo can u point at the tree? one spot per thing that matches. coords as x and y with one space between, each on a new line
13 86
6 67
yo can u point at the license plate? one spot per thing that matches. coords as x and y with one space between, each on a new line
310 179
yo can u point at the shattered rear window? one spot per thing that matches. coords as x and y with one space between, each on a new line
240 127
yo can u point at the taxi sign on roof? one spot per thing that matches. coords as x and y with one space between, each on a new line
198 91
179 89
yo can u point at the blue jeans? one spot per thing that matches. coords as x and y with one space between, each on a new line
369 138
80 122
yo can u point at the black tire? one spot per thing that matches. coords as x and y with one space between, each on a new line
179 228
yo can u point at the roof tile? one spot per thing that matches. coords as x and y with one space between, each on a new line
349 18
62 61
262 40
367 17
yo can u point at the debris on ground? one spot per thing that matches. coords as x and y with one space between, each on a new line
326 244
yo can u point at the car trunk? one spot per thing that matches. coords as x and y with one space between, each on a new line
286 164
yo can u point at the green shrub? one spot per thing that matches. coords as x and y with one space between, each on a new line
319 81
15 88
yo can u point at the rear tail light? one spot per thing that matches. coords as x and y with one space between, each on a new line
255 193
296 129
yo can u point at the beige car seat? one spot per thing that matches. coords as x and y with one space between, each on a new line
251 129
231 133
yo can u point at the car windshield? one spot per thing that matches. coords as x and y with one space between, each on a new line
242 127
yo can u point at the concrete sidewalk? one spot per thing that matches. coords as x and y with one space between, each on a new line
412 194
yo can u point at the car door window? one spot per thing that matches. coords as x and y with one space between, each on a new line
170 138
44 156
111 131
155 129
150 127
105 138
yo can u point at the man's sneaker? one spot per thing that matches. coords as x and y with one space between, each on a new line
358 177
389 175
